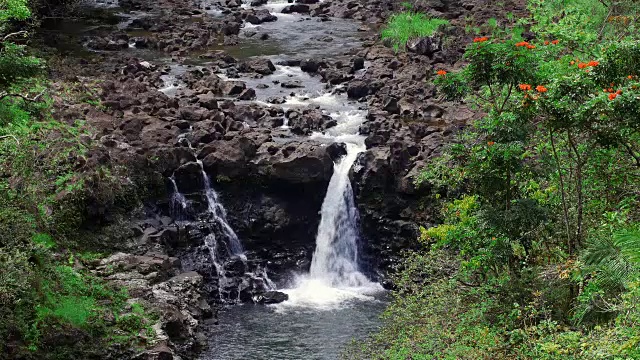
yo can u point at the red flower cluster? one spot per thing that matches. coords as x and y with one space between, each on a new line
491 143
612 94
480 39
525 44
527 87
441 72
591 63
555 42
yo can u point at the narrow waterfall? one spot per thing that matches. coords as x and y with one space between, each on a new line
335 260
178 203
220 214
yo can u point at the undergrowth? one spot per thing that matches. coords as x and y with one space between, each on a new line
409 25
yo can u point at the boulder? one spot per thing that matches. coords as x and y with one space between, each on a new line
358 89
260 16
270 297
296 8
425 45
260 66
294 162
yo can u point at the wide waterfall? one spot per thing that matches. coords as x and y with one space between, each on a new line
335 260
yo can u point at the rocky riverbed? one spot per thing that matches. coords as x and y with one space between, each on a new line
242 93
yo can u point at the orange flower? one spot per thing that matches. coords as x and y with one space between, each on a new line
541 89
613 96
491 143
582 65
546 42
619 92
441 72
522 43
572 62
529 46
524 87
555 42
593 63
480 39
630 77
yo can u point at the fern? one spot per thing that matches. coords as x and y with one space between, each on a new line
615 260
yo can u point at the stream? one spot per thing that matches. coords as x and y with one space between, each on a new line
334 302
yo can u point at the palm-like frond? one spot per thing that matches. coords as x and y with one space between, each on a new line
615 260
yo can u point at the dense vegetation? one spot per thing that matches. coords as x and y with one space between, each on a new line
50 306
537 255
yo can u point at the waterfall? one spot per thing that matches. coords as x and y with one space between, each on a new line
335 260
223 250
178 203
220 214
334 277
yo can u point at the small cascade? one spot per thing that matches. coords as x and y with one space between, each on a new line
178 203
335 260
237 278
220 214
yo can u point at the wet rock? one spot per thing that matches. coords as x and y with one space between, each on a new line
337 150
260 66
189 177
258 2
391 105
294 162
208 101
231 88
248 94
276 100
228 158
270 297
425 45
358 64
260 16
292 84
296 8
310 65
358 89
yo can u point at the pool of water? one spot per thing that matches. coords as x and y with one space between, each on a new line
283 332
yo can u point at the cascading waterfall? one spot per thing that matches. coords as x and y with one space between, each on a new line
334 276
335 260
178 202
220 214
220 251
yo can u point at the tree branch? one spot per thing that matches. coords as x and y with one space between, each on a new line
9 36
10 136
34 99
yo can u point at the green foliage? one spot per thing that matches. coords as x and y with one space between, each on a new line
536 255
408 25
13 10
